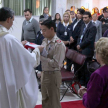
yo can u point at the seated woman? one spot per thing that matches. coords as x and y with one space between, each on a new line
96 93
57 19
46 13
64 29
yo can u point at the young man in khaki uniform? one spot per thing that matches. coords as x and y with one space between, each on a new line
52 61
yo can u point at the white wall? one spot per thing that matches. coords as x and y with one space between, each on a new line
76 3
79 3
17 26
103 3
61 6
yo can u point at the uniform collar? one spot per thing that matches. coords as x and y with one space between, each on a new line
52 40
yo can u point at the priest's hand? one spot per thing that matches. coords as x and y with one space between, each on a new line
41 48
24 42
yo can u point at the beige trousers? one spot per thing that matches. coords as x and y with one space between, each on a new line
50 88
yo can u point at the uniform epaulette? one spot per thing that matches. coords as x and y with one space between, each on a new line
59 41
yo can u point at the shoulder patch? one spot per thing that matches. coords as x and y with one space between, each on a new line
58 41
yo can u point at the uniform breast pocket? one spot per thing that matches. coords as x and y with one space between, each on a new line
51 51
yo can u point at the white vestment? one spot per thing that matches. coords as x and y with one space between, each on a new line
18 84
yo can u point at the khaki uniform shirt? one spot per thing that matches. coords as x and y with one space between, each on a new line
56 54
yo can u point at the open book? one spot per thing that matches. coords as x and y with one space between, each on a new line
31 45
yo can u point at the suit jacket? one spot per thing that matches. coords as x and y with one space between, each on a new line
99 30
104 28
97 89
76 32
87 44
101 16
39 38
105 34
42 16
61 30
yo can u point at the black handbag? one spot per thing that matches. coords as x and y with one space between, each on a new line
93 65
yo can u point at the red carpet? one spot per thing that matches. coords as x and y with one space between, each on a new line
72 104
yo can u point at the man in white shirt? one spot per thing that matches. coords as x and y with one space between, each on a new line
18 84
98 25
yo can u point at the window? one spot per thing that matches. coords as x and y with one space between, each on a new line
0 3
35 5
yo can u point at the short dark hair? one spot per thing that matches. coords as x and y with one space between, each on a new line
27 10
72 12
104 9
5 13
87 13
49 24
81 11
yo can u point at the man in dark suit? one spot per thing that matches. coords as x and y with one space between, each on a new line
104 20
98 25
85 45
105 10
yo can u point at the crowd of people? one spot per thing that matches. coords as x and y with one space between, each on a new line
80 31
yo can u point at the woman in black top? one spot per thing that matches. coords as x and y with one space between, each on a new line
57 19
46 13
64 29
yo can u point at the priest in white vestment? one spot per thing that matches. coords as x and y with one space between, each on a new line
18 84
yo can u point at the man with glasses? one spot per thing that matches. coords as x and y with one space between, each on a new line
85 45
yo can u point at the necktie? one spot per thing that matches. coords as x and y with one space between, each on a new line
82 34
94 23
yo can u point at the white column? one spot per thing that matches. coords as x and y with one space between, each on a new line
1 3
59 6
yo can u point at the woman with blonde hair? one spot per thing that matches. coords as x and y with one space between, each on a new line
64 28
96 94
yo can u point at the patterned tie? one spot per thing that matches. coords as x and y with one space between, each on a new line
94 23
82 34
